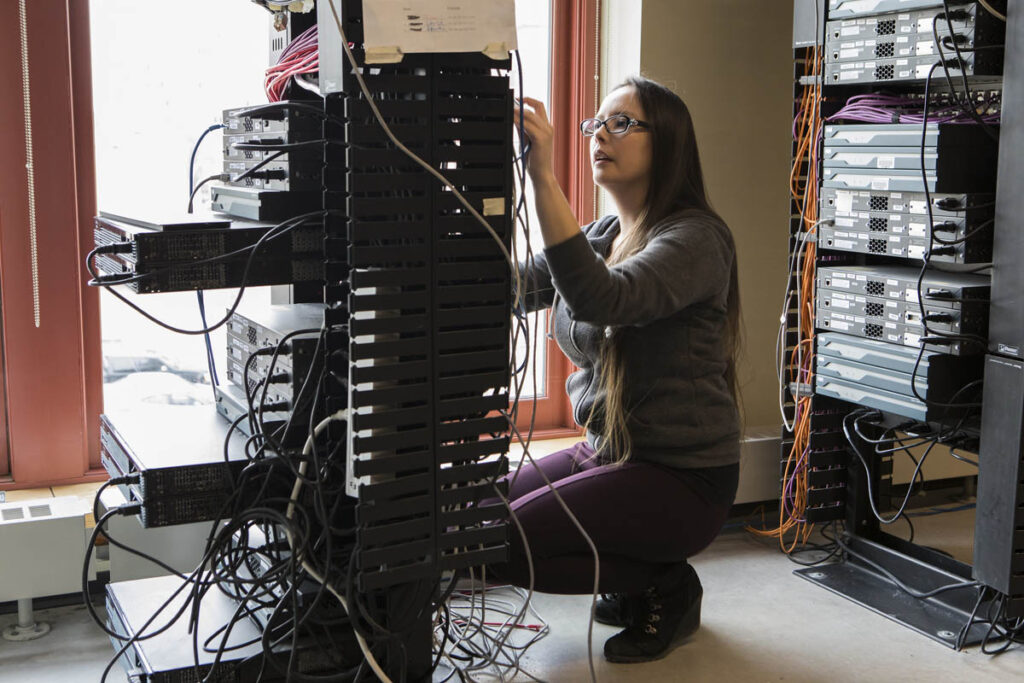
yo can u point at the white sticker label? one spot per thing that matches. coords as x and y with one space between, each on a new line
848 76
856 137
845 222
879 183
840 325
910 295
849 31
850 53
886 162
844 202
840 303
841 284
843 244
911 339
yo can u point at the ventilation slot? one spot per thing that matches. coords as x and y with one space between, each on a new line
884 50
879 203
873 331
877 246
885 72
878 224
874 310
39 511
886 28
875 288
12 514
250 334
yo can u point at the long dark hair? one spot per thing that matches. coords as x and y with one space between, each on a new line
676 184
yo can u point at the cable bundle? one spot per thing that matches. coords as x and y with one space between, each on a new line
807 131
480 632
302 56
877 108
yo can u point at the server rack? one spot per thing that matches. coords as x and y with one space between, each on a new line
841 484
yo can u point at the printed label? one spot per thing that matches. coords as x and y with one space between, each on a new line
879 183
887 162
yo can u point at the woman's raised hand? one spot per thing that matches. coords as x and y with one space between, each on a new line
539 135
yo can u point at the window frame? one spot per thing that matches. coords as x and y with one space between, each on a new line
52 372
574 88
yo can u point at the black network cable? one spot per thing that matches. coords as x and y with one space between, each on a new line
200 298
967 103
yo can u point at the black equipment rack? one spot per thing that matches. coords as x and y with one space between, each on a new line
424 294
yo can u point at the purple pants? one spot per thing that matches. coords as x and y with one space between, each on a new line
642 518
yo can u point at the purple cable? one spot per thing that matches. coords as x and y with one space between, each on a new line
879 108
308 38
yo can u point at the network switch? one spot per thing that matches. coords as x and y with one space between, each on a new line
265 205
878 375
900 283
166 655
180 476
176 257
855 8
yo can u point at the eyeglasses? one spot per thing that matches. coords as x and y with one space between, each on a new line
616 125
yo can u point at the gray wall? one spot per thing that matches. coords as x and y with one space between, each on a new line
732 62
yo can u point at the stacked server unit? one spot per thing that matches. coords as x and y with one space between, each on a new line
907 229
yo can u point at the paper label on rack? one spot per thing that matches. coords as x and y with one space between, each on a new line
411 26
494 206
879 183
844 202
886 162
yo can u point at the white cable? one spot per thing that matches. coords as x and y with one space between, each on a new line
780 346
991 10
307 449
30 172
412 155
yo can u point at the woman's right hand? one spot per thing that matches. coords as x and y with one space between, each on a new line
540 137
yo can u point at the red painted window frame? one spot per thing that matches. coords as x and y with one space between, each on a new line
53 373
573 95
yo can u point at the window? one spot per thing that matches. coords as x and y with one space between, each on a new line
52 361
573 65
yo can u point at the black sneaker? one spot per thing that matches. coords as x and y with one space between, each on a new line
611 610
660 618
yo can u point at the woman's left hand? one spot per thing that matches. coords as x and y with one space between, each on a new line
540 136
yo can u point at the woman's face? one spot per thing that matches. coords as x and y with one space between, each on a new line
622 162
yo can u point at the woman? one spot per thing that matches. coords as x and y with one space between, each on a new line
646 304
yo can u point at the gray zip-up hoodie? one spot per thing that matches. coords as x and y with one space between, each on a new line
667 307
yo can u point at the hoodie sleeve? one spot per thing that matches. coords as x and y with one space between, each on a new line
684 263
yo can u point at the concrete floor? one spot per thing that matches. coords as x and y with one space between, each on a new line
760 623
